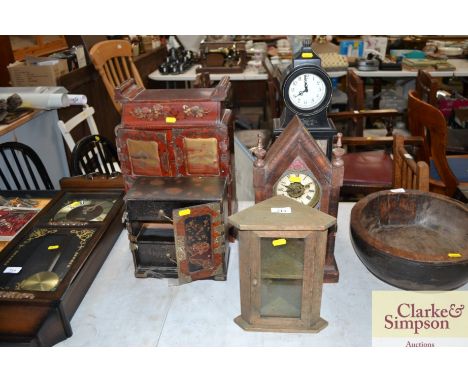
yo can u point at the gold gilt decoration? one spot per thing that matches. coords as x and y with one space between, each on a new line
34 235
180 249
17 295
84 235
149 113
194 111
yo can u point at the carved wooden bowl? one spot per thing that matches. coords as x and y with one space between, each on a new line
414 240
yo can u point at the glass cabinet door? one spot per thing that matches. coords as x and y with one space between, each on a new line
281 272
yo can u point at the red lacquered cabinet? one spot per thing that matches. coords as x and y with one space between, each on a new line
177 132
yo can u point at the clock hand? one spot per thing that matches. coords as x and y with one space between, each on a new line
306 88
92 207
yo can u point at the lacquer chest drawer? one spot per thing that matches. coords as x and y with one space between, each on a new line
154 198
138 114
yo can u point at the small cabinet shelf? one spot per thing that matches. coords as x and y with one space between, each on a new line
282 262
282 277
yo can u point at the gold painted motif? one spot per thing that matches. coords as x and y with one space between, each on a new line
84 235
180 249
194 111
17 295
33 235
149 113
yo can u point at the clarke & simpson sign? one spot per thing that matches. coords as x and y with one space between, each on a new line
419 319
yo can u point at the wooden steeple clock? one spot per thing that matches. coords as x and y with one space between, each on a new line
295 166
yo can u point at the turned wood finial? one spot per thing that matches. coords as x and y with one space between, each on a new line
259 152
338 152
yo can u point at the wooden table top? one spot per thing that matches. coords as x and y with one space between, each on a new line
5 129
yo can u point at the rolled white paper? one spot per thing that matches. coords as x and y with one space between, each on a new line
77 99
42 101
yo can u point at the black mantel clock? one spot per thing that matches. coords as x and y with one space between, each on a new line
307 92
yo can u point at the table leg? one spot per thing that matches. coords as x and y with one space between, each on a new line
377 89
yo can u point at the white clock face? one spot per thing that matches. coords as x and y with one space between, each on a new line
299 186
307 91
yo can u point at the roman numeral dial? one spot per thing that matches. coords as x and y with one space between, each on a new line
300 186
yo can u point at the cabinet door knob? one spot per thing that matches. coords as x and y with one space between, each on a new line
254 282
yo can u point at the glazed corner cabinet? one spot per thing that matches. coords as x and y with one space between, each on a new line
282 247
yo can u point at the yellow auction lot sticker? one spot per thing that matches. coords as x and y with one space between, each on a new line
419 318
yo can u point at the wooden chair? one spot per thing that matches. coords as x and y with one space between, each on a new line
113 60
426 88
357 115
275 99
407 173
95 154
368 164
22 169
446 172
371 170
202 80
66 127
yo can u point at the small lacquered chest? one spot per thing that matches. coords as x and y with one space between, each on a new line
176 227
177 132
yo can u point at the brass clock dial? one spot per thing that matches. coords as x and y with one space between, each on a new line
300 186
84 210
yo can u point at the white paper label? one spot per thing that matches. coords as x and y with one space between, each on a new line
12 270
396 190
281 210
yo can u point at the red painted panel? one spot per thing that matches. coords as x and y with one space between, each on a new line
151 115
200 246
